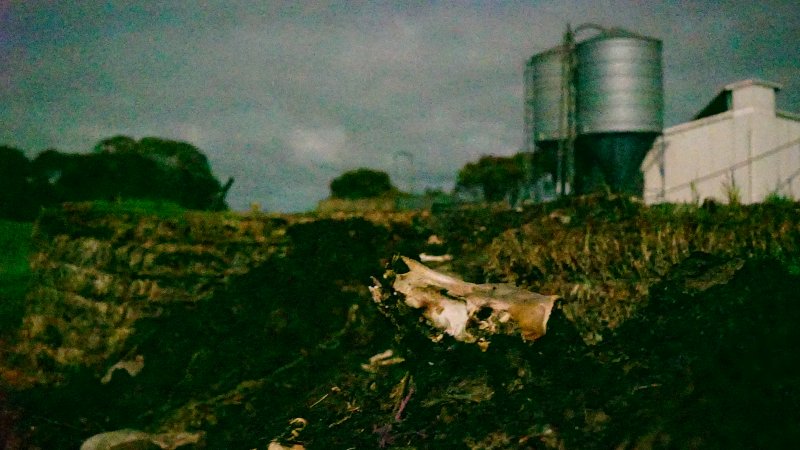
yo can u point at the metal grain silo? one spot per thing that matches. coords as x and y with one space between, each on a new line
546 109
619 110
546 79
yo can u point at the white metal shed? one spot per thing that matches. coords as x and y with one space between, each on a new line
737 145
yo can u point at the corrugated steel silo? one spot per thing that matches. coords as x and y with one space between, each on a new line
548 106
545 108
528 107
619 111
619 84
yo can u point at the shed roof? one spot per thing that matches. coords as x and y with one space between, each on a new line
723 101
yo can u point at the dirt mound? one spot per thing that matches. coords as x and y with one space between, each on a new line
696 349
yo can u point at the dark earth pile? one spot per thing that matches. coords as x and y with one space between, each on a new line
699 355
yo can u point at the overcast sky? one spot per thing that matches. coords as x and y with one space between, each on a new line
285 96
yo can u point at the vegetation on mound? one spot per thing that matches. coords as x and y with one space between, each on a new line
96 274
602 260
290 317
708 358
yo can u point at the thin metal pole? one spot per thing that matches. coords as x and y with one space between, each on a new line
571 110
566 123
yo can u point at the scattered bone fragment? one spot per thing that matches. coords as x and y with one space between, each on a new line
133 367
424 257
434 240
135 439
274 445
382 359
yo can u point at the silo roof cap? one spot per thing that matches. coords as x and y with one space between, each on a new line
610 33
752 82
549 51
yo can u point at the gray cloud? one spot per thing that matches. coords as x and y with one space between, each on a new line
285 96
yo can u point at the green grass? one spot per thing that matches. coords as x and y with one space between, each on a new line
140 207
15 239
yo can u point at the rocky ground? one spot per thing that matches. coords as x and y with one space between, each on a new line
675 328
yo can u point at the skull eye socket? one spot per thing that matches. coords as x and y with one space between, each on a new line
484 313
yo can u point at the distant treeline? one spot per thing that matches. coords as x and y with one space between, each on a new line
491 179
119 168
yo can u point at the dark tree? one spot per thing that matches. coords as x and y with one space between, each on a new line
496 177
48 167
116 144
122 168
15 202
188 173
361 183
